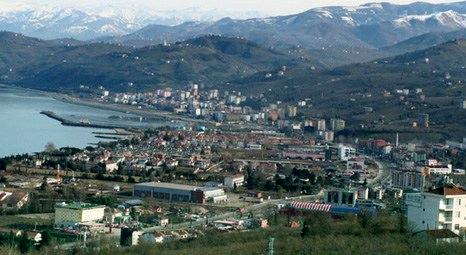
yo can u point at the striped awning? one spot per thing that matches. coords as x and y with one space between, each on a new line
311 206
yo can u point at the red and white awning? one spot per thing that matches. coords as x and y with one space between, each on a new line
311 206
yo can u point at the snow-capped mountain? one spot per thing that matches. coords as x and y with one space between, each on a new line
371 26
87 23
448 19
58 23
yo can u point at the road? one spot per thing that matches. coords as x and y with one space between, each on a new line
230 215
303 162
382 175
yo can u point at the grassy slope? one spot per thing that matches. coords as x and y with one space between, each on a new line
330 237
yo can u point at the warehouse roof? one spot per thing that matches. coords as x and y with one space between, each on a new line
78 205
167 185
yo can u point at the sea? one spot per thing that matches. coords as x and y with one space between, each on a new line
24 130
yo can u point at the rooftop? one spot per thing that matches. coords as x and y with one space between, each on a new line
448 191
440 233
78 205
167 185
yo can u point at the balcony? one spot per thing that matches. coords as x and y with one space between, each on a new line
445 207
445 218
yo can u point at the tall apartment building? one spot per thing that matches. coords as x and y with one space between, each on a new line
408 179
337 124
441 208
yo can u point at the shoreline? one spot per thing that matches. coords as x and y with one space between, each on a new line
127 109
66 122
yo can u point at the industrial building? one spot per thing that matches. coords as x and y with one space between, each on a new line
179 192
77 213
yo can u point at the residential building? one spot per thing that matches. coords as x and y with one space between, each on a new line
341 197
78 213
439 236
436 168
440 208
337 124
234 180
424 120
13 200
292 111
408 179
329 136
356 164
321 125
345 152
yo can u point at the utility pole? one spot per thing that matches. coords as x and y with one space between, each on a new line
270 249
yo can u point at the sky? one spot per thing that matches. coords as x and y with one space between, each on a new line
263 7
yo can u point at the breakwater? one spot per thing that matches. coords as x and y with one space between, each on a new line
66 122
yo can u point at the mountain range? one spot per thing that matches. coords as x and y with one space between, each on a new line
373 25
46 22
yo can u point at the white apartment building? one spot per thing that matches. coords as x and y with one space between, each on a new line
230 181
345 152
441 208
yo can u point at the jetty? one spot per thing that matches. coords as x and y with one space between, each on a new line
66 122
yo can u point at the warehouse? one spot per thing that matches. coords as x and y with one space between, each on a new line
177 192
77 213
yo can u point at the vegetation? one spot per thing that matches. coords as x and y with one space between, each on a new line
207 60
324 235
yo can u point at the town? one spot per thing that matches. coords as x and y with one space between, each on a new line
170 183
232 127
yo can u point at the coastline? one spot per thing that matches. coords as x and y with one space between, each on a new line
62 97
142 112
150 113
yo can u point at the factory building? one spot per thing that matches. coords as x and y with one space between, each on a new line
179 192
77 213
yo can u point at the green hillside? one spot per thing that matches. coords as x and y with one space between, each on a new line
209 60
351 235
345 91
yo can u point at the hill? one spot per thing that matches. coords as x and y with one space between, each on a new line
348 91
207 60
424 41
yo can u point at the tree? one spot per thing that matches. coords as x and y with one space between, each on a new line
45 239
364 219
318 223
305 231
24 245
50 147
45 186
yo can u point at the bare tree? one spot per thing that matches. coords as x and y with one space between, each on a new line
50 146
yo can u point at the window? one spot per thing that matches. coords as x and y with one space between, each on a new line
459 201
458 214
423 209
423 222
457 226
